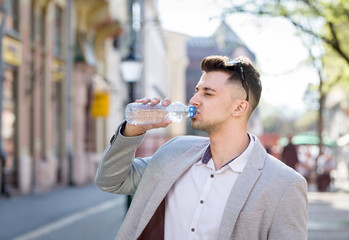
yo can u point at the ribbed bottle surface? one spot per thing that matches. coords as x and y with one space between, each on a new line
139 113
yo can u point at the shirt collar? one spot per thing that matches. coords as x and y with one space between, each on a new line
238 163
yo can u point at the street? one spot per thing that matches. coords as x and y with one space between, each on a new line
68 213
87 213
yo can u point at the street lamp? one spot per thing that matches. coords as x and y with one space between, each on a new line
131 71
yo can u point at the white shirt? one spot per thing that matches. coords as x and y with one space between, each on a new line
196 202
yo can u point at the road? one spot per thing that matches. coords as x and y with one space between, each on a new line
71 213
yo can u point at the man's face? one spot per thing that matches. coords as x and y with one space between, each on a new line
214 99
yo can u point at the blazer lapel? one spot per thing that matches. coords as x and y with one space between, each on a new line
173 171
242 189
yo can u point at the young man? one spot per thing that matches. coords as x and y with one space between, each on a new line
222 187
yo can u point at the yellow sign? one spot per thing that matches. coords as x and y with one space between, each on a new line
58 70
100 104
12 50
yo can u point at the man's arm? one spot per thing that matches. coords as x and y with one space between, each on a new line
118 170
291 217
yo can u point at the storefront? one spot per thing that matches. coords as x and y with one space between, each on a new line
12 49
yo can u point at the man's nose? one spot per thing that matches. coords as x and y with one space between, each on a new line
194 100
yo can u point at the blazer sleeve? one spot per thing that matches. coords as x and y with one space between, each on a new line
118 170
290 219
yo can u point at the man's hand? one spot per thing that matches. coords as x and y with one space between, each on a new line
135 130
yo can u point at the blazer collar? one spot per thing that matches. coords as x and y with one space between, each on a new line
242 188
173 171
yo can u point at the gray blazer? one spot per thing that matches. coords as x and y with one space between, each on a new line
268 200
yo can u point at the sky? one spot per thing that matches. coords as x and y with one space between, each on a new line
279 50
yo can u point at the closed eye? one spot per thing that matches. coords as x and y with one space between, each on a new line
205 93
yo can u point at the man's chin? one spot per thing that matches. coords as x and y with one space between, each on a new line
196 125
193 124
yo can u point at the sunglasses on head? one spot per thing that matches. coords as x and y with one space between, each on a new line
234 62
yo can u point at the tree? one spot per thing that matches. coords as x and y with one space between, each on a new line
327 21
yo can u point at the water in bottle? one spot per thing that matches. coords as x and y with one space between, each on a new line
140 113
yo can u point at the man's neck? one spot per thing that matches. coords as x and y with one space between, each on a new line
227 145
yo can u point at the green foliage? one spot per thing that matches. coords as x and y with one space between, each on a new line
325 20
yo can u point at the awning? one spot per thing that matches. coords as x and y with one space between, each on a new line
307 138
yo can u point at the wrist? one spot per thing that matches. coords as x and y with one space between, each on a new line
132 130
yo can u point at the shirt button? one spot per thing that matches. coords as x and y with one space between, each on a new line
202 201
193 229
212 176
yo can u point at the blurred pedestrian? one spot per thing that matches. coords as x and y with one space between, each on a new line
289 154
222 187
325 165
306 165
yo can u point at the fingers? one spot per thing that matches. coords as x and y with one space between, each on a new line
154 101
166 102
163 124
135 130
143 100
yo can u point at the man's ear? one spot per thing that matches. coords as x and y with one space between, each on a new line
240 108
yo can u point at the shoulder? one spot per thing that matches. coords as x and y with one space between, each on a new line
182 144
272 168
277 171
187 141
175 148
277 181
178 145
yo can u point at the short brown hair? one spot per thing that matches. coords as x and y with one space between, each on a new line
252 76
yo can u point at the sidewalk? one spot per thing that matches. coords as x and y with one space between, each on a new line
328 216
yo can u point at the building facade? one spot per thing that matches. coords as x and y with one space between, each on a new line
63 91
54 60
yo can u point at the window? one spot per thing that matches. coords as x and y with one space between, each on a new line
42 27
12 10
58 32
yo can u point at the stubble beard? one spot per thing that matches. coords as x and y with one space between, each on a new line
208 127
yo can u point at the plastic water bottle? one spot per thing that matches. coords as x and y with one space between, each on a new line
140 113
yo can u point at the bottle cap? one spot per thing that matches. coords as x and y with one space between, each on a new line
192 111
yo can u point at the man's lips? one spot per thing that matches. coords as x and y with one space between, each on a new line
196 114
